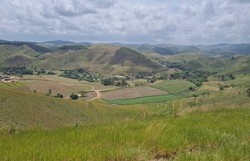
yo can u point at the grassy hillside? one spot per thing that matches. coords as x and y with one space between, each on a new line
207 127
101 59
16 55
238 65
173 86
195 136
227 50
26 111
34 46
223 65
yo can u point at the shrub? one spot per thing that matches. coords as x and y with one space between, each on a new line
59 95
73 96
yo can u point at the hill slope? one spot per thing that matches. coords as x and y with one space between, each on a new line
172 49
27 111
105 59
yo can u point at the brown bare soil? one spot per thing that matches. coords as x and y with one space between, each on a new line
90 96
131 93
66 89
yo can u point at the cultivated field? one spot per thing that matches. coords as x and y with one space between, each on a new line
147 99
41 86
56 78
173 86
57 84
134 92
211 86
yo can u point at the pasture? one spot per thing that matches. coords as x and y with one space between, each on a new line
194 136
173 86
43 86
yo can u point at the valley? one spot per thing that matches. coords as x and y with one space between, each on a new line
110 102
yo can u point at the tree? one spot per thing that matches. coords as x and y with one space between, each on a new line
73 96
248 92
191 88
221 87
83 93
49 92
50 73
107 82
59 95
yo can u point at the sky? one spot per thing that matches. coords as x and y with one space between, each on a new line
127 21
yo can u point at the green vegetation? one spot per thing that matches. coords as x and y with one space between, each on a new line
17 71
174 86
114 81
248 92
144 100
33 46
80 75
32 111
196 136
59 95
74 96
196 77
199 111
157 98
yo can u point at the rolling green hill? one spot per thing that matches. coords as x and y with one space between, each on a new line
104 59
16 55
99 58
212 50
224 65
211 129
115 59
23 110
32 45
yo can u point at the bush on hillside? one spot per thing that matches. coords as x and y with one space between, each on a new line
73 96
59 95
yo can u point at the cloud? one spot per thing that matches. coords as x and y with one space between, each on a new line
72 8
241 1
140 21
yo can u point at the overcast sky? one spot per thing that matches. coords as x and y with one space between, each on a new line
127 21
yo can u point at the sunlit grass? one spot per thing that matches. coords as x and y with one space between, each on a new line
215 135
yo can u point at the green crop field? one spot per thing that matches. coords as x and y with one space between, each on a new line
173 86
157 99
142 100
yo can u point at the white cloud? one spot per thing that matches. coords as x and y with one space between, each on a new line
206 21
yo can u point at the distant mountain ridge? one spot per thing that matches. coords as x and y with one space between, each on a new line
33 45
224 49
59 43
99 58
171 49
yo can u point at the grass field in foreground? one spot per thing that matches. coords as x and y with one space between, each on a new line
215 135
